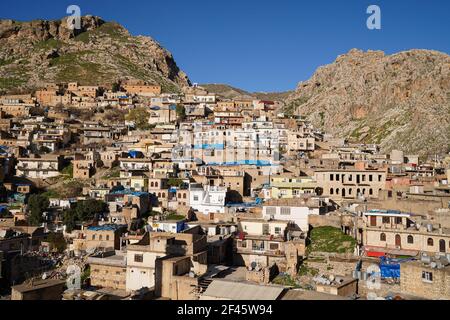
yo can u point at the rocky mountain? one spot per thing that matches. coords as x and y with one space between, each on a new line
399 101
229 92
37 52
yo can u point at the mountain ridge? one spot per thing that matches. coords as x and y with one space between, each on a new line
398 101
41 51
231 92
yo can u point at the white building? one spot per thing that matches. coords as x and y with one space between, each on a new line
294 210
39 168
141 263
208 199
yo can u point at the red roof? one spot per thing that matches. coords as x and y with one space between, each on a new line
375 254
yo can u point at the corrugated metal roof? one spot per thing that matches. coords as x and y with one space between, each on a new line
222 289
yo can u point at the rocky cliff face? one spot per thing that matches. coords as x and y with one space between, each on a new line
37 52
400 101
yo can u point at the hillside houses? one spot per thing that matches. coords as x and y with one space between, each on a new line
164 193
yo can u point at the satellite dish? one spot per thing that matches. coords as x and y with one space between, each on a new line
44 276
253 265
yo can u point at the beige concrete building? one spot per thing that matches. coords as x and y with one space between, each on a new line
349 184
266 242
108 270
39 168
426 280
49 289
142 88
395 232
83 91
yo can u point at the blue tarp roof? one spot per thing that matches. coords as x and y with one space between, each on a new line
134 153
128 191
390 268
106 227
257 202
260 163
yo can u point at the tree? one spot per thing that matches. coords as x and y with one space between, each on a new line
140 117
58 241
173 182
44 149
89 209
69 220
137 224
116 87
181 112
37 205
83 211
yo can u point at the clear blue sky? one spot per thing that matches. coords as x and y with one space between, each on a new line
261 45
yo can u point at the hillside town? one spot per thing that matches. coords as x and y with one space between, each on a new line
127 192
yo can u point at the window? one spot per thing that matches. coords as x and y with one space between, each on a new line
331 177
383 237
273 246
285 210
138 258
427 276
277 230
93 237
258 245
107 237
398 220
386 220
195 198
370 178
410 239
100 237
242 244
271 210
430 242
331 191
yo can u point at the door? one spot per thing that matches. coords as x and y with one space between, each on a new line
373 221
398 240
266 229
442 246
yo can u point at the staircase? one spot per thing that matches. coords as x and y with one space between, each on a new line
203 284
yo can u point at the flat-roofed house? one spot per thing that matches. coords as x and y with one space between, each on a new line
39 168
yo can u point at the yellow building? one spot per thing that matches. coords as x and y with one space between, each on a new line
288 186
139 183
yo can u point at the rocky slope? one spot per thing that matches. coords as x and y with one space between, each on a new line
229 92
37 52
400 101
